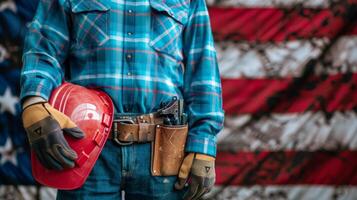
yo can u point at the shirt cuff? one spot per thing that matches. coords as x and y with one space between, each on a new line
37 87
203 144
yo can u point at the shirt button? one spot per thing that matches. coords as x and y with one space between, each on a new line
130 33
129 74
130 11
129 56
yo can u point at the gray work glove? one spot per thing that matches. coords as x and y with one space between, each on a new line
45 127
198 171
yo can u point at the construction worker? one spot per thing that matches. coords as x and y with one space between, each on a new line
142 53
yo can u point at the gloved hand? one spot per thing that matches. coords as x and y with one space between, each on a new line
45 127
200 169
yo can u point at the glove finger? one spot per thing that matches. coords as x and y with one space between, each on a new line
180 183
49 161
192 190
200 192
65 156
56 165
41 159
184 171
63 120
75 132
200 196
201 189
205 185
60 141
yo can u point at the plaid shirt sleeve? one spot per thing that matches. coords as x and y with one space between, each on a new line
45 50
202 90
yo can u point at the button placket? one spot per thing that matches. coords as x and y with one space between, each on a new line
130 54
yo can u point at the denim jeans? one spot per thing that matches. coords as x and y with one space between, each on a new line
124 168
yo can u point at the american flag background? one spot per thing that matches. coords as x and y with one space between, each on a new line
289 78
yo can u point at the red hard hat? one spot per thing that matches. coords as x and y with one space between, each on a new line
92 111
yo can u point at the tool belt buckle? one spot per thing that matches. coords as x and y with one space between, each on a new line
115 132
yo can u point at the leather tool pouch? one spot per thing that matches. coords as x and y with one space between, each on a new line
167 152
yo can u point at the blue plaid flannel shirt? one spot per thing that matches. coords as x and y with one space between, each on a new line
140 52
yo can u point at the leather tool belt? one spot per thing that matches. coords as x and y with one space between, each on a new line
165 129
167 141
127 130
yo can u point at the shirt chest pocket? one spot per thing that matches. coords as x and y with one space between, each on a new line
90 21
167 23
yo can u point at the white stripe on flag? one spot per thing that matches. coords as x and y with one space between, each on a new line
296 192
308 131
238 60
26 192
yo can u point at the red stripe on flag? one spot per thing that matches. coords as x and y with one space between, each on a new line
354 30
273 24
290 167
331 93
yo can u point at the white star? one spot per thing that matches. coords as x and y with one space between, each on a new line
8 5
8 153
8 102
3 53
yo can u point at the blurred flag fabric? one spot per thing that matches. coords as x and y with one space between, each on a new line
14 156
289 77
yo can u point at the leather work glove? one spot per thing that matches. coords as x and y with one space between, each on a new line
45 127
200 169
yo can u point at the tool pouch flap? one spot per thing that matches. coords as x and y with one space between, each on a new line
168 150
